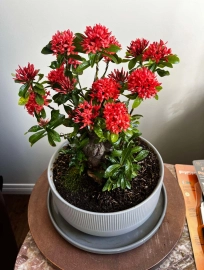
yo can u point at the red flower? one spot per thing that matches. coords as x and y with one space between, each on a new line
144 82
116 117
137 47
86 113
157 51
97 38
65 84
104 89
119 76
42 122
62 42
26 74
32 106
112 41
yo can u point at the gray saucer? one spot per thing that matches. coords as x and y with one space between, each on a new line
109 245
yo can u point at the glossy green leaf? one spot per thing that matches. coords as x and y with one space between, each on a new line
132 63
111 169
82 66
114 137
47 49
137 102
50 140
57 121
34 129
53 134
112 57
39 99
40 76
162 72
99 132
36 137
156 97
173 59
142 155
116 153
43 113
60 98
107 185
23 89
38 90
125 154
159 88
92 59
22 101
113 48
136 149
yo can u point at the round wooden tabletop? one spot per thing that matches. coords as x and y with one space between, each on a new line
65 256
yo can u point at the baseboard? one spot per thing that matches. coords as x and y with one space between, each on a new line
17 188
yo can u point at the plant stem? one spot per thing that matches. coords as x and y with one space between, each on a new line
107 64
50 107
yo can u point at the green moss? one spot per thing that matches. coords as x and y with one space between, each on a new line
72 180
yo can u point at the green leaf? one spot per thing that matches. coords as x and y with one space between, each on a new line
156 97
99 132
34 129
165 64
56 120
22 101
50 140
60 98
39 99
53 134
113 48
43 113
92 59
68 74
107 185
54 65
137 102
111 169
132 63
159 88
47 49
40 76
162 72
68 109
125 154
128 133
23 89
39 90
82 66
112 57
114 137
84 142
68 122
173 59
142 155
136 149
79 36
116 153
36 137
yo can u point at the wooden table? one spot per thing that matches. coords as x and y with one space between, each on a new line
181 257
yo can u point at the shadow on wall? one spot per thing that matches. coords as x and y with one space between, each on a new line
181 139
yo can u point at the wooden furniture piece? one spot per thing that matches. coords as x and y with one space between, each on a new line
44 247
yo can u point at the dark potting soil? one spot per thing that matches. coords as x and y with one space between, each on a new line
86 194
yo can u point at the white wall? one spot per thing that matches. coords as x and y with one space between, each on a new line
174 124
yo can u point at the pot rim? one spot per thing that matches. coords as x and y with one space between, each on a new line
54 190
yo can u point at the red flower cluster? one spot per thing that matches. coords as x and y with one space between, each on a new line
62 42
32 106
119 76
137 47
157 51
143 82
116 117
26 74
65 84
97 38
86 113
104 89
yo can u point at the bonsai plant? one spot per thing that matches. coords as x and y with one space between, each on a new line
104 145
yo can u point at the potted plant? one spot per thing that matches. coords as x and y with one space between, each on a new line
105 179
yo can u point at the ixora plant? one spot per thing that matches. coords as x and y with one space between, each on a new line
104 140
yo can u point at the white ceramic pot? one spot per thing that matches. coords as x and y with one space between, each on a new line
106 224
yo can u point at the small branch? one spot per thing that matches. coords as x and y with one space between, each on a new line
107 65
131 111
51 107
96 74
